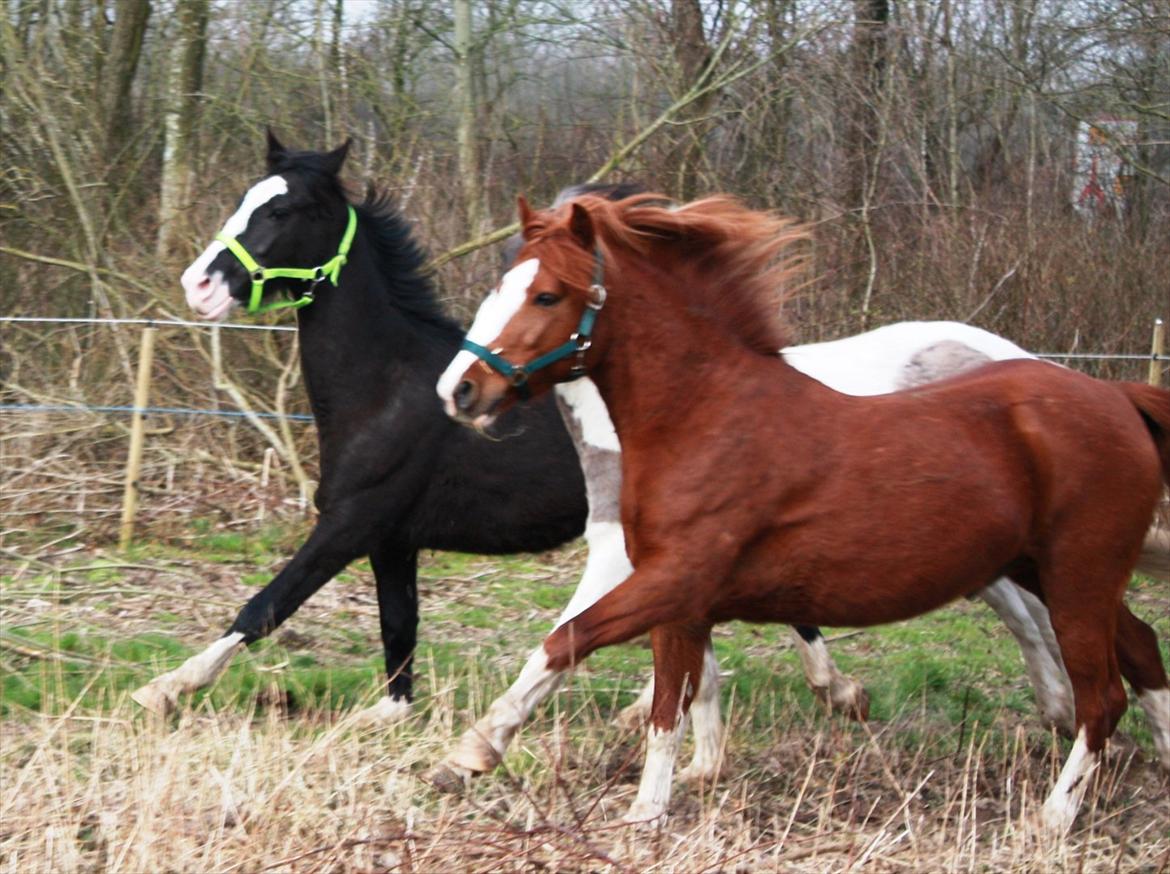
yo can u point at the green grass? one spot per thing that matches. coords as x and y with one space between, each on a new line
482 615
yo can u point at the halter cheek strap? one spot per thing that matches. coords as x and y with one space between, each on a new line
577 344
330 270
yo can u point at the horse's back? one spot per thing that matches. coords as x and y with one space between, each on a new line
1084 440
876 362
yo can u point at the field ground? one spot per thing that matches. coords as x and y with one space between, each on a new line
267 772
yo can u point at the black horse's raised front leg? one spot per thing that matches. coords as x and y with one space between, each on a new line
324 555
337 540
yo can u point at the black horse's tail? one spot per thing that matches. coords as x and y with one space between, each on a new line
1154 406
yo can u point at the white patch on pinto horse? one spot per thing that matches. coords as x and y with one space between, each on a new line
161 694
1156 704
491 318
208 295
606 566
1061 806
1043 662
873 363
589 409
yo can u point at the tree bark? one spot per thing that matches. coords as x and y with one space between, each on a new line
692 56
864 135
776 122
130 17
868 64
181 123
469 169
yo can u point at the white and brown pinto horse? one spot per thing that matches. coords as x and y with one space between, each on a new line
750 491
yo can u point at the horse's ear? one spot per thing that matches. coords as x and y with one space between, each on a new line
581 225
335 159
276 149
526 214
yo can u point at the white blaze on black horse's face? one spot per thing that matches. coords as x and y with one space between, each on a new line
209 293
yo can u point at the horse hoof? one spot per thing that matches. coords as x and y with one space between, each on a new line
850 699
450 779
858 708
154 699
698 772
1062 724
473 754
385 711
643 816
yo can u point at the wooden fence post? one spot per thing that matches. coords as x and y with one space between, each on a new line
1157 349
137 435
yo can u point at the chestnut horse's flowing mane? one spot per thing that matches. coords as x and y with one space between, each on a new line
747 255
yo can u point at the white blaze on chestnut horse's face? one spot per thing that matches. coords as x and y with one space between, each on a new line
491 318
207 293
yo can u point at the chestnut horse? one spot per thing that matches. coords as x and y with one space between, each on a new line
753 492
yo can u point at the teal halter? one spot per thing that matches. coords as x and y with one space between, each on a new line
577 344
330 270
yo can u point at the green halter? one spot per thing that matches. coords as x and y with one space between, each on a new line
330 270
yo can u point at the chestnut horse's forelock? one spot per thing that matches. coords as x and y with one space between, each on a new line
752 253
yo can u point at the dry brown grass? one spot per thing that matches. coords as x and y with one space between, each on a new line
234 791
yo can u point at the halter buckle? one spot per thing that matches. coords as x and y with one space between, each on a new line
597 296
518 377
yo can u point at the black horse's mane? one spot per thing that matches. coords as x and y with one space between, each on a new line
402 260
399 258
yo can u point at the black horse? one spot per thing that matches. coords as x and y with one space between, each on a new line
396 474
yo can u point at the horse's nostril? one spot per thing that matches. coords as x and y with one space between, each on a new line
464 395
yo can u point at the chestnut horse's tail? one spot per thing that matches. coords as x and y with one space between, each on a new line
1154 406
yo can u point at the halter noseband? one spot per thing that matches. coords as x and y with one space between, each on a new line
577 344
330 270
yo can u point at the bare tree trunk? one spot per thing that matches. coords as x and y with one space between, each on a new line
776 121
692 56
469 169
338 60
952 111
868 64
181 123
864 136
130 17
322 68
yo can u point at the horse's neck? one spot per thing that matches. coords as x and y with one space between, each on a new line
647 368
352 336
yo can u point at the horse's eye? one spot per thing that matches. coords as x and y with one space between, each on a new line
280 212
546 299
